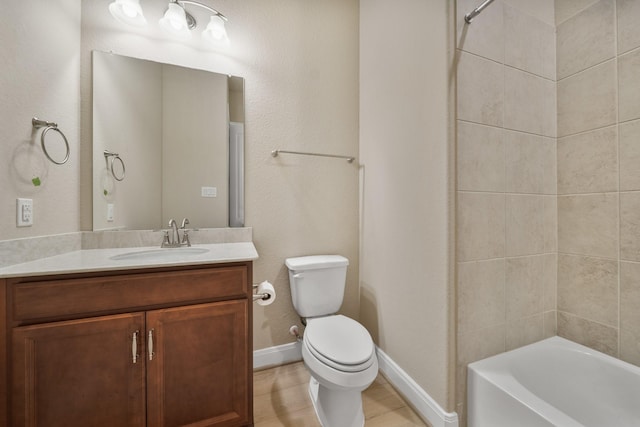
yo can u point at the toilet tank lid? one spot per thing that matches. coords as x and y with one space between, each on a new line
315 262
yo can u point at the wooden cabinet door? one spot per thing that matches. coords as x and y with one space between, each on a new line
79 373
199 372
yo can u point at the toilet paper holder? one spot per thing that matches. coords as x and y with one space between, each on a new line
260 296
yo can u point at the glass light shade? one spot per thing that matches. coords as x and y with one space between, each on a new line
174 21
128 12
215 31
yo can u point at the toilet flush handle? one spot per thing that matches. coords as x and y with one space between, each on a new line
297 275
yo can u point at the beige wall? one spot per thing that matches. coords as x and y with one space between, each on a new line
127 106
598 186
300 61
506 180
404 149
195 154
40 74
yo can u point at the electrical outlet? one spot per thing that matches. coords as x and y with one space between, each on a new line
24 212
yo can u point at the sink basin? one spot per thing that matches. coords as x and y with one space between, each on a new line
164 254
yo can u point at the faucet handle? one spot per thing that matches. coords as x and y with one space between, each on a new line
185 221
185 238
165 239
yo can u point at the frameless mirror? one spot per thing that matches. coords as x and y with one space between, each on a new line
168 142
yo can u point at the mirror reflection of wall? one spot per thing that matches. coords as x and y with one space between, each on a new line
170 126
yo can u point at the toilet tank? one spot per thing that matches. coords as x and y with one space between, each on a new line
317 283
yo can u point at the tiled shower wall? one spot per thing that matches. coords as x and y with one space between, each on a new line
548 229
506 183
598 58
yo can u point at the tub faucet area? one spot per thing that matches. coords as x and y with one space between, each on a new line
173 240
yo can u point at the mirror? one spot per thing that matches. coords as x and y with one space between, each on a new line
168 142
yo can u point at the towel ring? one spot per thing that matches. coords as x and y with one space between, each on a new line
51 126
114 156
44 148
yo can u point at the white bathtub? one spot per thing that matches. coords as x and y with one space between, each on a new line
554 382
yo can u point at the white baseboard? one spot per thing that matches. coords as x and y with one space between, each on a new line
278 355
424 404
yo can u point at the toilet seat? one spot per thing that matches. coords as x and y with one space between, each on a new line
340 342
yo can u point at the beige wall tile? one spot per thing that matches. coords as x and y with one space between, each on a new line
480 295
485 36
480 90
524 101
549 164
542 10
629 155
591 334
523 41
629 85
548 37
588 224
588 162
550 324
521 332
586 39
525 225
481 226
566 9
462 414
630 297
550 224
550 108
524 286
525 162
630 226
480 158
550 284
588 288
628 29
587 100
630 347
475 346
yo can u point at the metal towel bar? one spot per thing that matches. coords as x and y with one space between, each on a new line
349 159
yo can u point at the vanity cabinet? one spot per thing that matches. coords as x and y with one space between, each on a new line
160 348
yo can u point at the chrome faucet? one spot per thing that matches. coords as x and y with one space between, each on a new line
174 240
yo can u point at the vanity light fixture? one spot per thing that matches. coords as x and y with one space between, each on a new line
176 20
128 12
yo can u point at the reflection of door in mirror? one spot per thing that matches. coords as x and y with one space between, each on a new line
170 126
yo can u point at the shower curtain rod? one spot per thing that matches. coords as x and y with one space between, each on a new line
475 12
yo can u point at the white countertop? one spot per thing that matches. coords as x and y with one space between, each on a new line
91 260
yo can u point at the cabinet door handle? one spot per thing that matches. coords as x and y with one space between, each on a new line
150 345
134 346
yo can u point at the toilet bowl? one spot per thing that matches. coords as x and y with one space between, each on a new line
340 356
338 351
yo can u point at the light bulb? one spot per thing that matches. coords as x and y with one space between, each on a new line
128 12
131 12
175 21
215 31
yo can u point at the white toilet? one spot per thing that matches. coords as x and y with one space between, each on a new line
337 350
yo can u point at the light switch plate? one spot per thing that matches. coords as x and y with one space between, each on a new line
209 192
